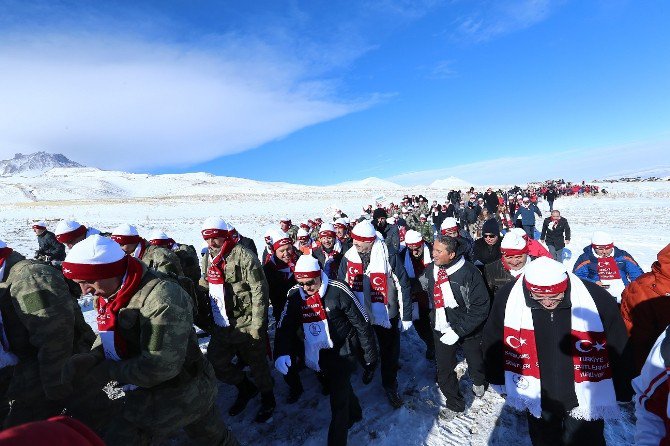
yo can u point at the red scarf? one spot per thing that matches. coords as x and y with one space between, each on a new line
108 309
608 269
555 221
312 309
355 276
442 277
4 253
286 268
215 271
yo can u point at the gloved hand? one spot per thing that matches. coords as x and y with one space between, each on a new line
406 325
449 337
255 334
77 367
369 372
283 363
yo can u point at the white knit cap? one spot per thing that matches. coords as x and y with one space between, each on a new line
96 257
125 229
302 233
341 221
65 226
512 244
364 231
40 224
215 223
279 238
390 220
545 275
412 237
157 234
307 267
518 231
601 238
449 223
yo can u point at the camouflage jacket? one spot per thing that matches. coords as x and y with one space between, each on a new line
293 232
39 321
163 260
247 287
157 325
426 231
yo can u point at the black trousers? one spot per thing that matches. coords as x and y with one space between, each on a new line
445 358
423 328
389 352
562 430
344 406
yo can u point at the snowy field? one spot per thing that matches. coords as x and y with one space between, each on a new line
635 213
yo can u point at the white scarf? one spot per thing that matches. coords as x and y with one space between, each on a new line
592 371
316 332
516 273
379 264
217 299
447 295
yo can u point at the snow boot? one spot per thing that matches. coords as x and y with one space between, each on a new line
246 390
268 405
394 398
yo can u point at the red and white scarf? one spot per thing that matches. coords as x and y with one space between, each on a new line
554 222
371 286
315 324
592 372
140 250
609 274
217 284
443 295
113 344
330 258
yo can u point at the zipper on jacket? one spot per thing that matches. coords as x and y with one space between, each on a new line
551 316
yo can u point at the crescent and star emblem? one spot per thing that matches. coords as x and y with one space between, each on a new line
377 281
585 346
352 271
511 340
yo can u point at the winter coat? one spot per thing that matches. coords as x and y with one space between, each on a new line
645 307
278 283
50 247
162 259
320 255
468 318
496 276
249 244
470 214
485 253
527 214
426 231
348 323
555 237
391 236
491 200
551 194
396 272
586 266
466 240
553 330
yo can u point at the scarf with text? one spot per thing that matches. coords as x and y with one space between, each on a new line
315 324
443 295
609 274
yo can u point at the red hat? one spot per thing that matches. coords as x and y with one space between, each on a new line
279 238
307 267
215 227
125 234
95 258
449 224
327 230
69 230
545 276
413 239
364 232
513 245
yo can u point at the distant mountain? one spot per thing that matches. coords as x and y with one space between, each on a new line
451 183
34 164
368 183
654 173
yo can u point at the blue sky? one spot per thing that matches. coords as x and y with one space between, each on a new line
319 92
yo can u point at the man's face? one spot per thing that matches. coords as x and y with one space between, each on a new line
129 248
310 286
555 215
283 253
450 232
363 247
102 287
416 251
381 222
38 231
215 244
516 262
490 239
327 242
440 254
603 252
548 301
341 231
284 226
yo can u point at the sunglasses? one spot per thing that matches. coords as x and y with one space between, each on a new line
490 236
306 284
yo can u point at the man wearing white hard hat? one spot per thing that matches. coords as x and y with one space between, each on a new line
380 283
70 232
554 346
238 293
335 332
49 248
146 342
606 265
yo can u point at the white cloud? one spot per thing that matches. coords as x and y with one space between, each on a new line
125 102
571 165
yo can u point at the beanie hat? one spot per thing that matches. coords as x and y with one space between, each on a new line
69 230
340 223
215 227
413 239
302 234
390 220
307 267
601 239
95 258
305 225
327 230
379 212
125 234
364 232
279 238
545 275
490 226
520 232
39 225
449 224
160 238
285 220
513 245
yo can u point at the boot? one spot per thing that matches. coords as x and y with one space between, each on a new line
325 385
394 398
268 404
294 394
246 390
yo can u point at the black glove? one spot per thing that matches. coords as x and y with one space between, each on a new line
369 372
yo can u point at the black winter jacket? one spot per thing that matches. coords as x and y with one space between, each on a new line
486 253
555 237
49 246
278 285
334 267
348 324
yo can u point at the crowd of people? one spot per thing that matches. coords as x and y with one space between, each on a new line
472 275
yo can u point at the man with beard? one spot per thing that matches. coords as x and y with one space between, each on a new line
49 248
513 260
380 283
556 233
460 308
415 258
341 226
388 232
238 292
330 253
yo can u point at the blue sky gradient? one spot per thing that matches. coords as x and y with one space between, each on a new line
320 92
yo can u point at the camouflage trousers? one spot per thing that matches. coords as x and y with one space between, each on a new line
158 412
227 343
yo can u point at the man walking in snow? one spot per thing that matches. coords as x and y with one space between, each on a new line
50 249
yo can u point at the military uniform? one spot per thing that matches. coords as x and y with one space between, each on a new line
168 382
293 232
38 319
426 231
162 259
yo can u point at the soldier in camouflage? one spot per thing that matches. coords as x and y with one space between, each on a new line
288 227
238 291
38 334
425 229
146 342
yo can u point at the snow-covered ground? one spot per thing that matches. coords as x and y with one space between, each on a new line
635 213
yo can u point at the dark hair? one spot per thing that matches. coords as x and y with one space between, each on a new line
449 242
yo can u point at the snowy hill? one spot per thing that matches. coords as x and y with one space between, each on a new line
659 172
34 164
450 183
368 183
